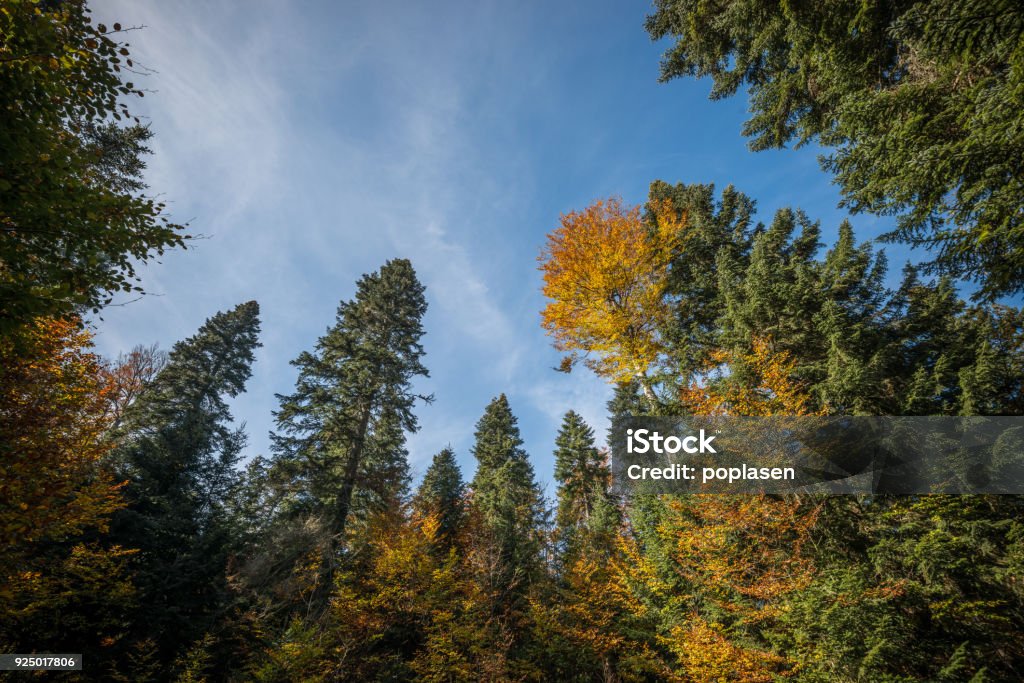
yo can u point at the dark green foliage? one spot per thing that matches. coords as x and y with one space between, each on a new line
442 495
715 229
910 589
773 293
317 565
343 426
858 347
587 517
177 452
905 589
508 498
919 101
74 223
627 399
340 448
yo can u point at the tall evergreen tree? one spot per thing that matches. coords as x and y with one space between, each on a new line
508 500
507 536
626 400
585 508
177 451
713 229
341 433
442 496
775 293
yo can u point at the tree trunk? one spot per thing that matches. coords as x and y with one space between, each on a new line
348 482
645 384
609 674
343 507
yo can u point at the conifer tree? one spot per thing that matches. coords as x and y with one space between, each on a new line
883 85
177 451
585 507
509 526
508 529
585 618
507 496
774 294
715 228
341 433
441 496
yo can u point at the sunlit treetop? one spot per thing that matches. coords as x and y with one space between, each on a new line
605 271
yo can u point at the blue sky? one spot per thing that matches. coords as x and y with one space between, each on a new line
310 142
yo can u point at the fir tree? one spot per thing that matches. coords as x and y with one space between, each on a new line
775 295
713 229
508 500
585 509
883 85
441 496
626 400
177 452
342 431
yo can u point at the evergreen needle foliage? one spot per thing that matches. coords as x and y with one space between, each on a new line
129 533
919 102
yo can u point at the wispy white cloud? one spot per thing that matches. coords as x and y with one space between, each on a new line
309 155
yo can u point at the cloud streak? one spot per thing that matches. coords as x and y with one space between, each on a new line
305 173
312 142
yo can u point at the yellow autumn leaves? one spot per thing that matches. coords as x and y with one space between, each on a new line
604 270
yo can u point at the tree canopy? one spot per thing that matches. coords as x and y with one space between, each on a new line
917 102
74 223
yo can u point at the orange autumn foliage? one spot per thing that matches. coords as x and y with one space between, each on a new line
768 387
399 586
729 564
604 270
741 556
744 551
597 613
129 375
55 410
706 654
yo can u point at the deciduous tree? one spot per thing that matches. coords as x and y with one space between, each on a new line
605 271
58 584
74 223
55 409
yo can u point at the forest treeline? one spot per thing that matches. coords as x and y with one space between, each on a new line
132 532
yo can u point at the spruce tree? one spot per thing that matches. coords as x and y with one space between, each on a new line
341 433
713 229
441 495
883 86
774 295
507 497
177 451
626 401
585 509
